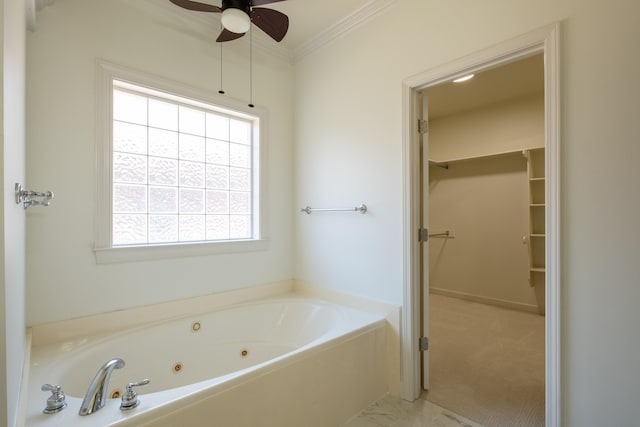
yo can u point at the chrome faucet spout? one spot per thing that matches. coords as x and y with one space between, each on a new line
97 393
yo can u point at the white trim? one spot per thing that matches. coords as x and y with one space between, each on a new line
513 305
176 250
545 40
104 252
409 354
342 27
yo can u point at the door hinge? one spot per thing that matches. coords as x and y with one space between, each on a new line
424 344
423 235
423 126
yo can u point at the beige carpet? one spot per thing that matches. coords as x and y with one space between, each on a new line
486 363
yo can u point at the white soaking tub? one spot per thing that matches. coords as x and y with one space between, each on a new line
281 361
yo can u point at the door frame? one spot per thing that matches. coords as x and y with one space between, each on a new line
545 40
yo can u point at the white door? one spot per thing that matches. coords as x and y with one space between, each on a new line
424 207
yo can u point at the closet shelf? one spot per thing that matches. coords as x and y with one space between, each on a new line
537 235
479 156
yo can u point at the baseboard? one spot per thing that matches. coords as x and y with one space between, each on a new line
530 308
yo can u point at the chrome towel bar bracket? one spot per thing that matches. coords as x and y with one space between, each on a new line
32 198
362 209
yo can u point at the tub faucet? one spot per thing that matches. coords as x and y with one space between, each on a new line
97 394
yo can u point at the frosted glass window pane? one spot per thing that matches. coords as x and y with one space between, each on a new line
192 121
192 148
217 227
217 127
129 198
129 138
239 203
163 171
240 227
163 143
217 152
129 229
217 177
191 200
163 199
239 155
129 168
239 179
181 173
163 115
239 131
191 174
163 228
128 107
192 227
217 202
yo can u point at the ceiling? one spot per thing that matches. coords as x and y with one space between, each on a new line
311 23
514 80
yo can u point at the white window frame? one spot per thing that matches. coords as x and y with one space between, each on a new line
104 251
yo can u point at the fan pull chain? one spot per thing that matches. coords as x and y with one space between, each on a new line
221 91
251 68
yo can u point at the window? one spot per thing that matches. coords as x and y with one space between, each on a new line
178 171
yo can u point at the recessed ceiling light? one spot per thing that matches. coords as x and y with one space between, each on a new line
463 79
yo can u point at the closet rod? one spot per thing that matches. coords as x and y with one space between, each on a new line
443 235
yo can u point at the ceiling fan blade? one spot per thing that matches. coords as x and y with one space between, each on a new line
226 36
272 22
194 5
262 2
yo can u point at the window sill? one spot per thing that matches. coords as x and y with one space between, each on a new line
179 250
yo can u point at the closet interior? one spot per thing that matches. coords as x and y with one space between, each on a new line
487 188
486 257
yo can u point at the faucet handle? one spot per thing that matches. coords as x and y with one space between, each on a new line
56 402
130 397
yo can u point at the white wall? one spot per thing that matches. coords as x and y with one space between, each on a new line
506 126
349 146
484 203
12 218
62 276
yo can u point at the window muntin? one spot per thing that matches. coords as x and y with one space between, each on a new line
181 171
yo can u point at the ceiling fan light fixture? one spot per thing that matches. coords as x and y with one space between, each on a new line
235 20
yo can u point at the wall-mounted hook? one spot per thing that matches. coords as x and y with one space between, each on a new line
32 198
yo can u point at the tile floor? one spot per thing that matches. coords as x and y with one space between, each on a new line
392 411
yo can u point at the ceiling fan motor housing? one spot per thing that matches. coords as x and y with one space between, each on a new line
243 5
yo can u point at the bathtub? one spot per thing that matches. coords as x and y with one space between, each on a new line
281 361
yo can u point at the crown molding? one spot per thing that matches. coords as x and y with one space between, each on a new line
342 27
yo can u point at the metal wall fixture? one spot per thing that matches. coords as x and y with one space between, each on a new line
443 235
32 198
362 209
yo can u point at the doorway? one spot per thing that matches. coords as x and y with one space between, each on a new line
543 41
485 298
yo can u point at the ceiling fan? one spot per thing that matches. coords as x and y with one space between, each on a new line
237 16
